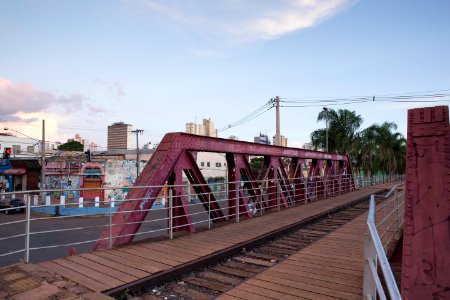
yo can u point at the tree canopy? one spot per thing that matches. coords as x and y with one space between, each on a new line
71 146
378 148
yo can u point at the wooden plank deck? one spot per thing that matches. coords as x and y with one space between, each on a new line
331 268
106 269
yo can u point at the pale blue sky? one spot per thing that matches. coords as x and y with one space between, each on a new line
159 64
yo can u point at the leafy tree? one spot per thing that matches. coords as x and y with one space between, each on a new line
71 146
256 163
378 148
343 127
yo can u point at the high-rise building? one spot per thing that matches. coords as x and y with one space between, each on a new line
207 128
283 141
119 136
262 139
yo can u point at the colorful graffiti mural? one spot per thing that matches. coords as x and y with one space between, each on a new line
120 173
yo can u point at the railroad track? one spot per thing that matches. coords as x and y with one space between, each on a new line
214 279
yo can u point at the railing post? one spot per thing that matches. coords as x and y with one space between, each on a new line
27 229
278 195
237 201
170 214
209 211
294 192
189 196
397 207
305 190
261 201
110 223
316 197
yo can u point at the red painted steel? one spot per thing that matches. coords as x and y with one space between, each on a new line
426 234
176 154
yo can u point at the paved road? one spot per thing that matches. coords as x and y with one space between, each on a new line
96 226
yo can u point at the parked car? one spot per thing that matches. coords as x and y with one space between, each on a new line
18 204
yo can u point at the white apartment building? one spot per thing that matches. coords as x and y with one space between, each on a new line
21 146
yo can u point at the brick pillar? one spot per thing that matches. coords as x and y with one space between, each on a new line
426 234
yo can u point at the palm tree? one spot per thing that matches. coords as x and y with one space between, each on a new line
379 148
343 127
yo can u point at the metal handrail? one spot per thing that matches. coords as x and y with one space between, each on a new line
331 187
374 253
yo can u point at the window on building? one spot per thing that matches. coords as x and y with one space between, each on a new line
218 164
16 149
30 149
224 164
202 164
208 164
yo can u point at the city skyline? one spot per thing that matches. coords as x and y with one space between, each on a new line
158 65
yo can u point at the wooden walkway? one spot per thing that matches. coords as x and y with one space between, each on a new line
107 269
331 268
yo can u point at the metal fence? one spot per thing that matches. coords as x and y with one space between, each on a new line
379 240
50 226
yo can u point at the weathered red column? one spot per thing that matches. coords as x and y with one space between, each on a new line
426 235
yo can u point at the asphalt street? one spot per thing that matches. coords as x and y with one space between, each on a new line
70 233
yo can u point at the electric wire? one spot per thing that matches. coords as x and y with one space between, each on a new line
263 109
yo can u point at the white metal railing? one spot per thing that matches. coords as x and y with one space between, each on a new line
32 228
380 234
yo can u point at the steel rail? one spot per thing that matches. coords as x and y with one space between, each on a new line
160 277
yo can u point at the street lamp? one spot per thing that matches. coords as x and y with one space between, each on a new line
326 122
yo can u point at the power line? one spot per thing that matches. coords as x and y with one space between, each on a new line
263 109
386 97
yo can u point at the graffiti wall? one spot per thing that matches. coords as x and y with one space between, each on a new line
57 182
121 174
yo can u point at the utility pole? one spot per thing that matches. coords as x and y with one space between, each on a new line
43 156
277 109
137 132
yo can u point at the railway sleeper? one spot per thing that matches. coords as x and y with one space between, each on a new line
211 281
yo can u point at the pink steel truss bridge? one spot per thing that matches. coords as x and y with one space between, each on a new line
176 154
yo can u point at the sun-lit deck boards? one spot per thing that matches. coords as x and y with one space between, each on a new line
107 269
331 268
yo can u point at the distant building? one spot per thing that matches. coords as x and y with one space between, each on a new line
119 136
86 145
20 146
307 146
233 137
206 129
283 141
262 139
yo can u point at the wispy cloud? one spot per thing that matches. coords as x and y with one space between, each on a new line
244 21
115 88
